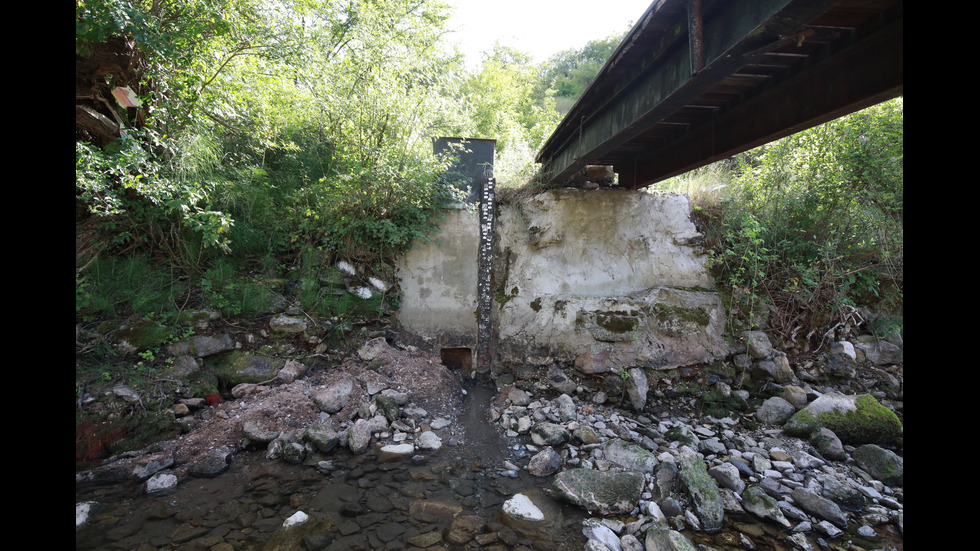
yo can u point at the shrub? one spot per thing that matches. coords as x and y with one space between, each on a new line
808 237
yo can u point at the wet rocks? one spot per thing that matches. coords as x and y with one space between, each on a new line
395 452
881 464
211 465
85 511
602 492
545 463
521 508
659 538
756 501
464 528
333 397
652 475
162 483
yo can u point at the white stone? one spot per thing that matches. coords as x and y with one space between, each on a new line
346 268
161 483
428 440
378 284
521 507
362 292
298 518
398 449
595 530
82 512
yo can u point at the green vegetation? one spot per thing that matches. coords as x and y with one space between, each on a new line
244 138
714 403
568 73
806 233
870 423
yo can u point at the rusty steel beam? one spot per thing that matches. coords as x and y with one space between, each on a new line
866 71
685 53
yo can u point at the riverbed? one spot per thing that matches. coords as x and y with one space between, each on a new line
351 501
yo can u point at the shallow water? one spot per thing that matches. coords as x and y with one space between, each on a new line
361 504
364 503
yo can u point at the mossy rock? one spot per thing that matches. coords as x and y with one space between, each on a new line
602 492
716 404
202 383
142 335
676 320
238 367
856 420
198 318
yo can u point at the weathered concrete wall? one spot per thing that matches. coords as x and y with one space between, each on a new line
603 279
439 284
607 279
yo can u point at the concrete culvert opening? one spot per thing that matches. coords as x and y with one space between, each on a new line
457 358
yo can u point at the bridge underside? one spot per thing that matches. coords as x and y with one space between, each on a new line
696 81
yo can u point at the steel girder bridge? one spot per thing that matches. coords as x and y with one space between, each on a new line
696 81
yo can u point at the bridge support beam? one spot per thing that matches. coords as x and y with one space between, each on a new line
700 80
830 88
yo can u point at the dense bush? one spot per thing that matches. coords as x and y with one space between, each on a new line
807 238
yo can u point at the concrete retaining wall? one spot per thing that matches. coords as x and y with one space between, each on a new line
603 279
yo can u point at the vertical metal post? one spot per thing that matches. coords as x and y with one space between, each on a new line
484 334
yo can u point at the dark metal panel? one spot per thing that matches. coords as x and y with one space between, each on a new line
473 158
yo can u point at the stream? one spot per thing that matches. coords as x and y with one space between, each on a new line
451 499
359 503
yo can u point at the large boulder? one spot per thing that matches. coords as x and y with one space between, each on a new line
630 455
600 492
880 463
855 420
703 490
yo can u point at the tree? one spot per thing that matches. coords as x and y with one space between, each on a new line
503 106
268 116
570 72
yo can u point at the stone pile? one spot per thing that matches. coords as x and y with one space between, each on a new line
808 466
677 474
